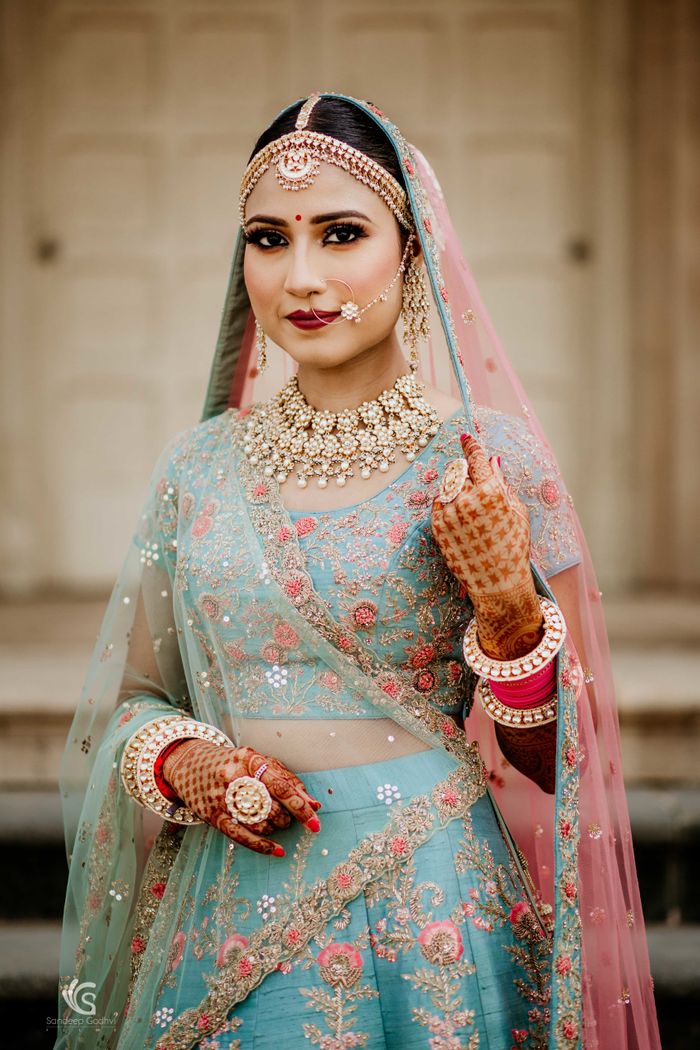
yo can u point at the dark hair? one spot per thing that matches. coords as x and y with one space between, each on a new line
343 120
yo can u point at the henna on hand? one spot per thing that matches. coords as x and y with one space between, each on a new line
484 535
531 751
200 772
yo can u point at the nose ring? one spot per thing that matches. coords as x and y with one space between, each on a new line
349 311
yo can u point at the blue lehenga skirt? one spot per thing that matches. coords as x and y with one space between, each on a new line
446 950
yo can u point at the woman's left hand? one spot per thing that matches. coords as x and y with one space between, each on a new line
484 536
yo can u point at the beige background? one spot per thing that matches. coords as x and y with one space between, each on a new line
565 136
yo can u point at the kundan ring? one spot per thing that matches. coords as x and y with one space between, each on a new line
456 473
248 800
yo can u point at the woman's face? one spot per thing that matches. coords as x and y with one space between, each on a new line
298 241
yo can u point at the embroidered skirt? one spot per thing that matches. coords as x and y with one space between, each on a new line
443 946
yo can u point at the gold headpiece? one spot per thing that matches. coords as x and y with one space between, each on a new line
296 157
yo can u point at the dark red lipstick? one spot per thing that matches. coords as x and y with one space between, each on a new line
305 319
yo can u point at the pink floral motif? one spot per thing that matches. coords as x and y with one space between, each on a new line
234 650
245 967
296 587
566 678
570 1030
443 295
137 945
304 526
364 614
430 475
563 964
158 889
203 1022
391 688
565 828
519 913
178 950
204 520
340 964
518 1035
570 756
284 534
292 935
285 635
424 681
409 166
126 717
441 943
236 941
417 499
448 728
449 798
331 680
397 532
102 835
549 493
570 891
345 643
260 490
271 653
398 845
454 671
427 225
210 606
422 656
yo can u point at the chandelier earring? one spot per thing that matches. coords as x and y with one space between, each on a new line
415 309
261 346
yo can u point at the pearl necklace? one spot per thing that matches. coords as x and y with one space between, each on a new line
286 432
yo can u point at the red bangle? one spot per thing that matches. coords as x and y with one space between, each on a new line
163 786
526 692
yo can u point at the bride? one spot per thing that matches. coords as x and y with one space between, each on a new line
345 771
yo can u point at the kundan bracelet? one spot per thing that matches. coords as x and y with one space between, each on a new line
520 718
524 666
141 752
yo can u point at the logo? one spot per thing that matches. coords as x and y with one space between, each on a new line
78 998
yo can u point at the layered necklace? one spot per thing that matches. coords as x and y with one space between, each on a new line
286 434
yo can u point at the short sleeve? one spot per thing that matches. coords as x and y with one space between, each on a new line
532 472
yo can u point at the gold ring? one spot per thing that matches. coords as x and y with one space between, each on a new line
248 800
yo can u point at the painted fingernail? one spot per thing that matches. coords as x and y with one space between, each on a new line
278 851
313 824
499 462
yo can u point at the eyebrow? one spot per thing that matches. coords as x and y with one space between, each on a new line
327 217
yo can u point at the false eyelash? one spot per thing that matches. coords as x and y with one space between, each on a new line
255 236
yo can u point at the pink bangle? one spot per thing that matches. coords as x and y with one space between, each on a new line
526 692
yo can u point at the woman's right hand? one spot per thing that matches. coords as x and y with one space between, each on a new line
200 772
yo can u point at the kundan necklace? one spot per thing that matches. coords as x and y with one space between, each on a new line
286 433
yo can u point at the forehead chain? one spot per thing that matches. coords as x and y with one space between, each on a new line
296 159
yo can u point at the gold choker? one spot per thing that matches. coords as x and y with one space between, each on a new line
286 433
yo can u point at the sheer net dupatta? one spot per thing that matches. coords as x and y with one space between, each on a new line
135 675
578 843
579 848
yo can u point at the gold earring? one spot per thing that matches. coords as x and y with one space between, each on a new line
415 308
261 346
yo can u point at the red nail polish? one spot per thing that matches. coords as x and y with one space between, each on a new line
313 824
499 461
278 852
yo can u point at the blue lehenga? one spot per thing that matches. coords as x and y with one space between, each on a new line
408 921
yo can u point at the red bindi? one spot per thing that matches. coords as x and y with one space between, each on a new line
298 218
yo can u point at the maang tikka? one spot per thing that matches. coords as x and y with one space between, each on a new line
261 346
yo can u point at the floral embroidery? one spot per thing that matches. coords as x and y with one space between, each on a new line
340 966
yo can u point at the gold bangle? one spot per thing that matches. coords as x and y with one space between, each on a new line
524 666
518 718
141 751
